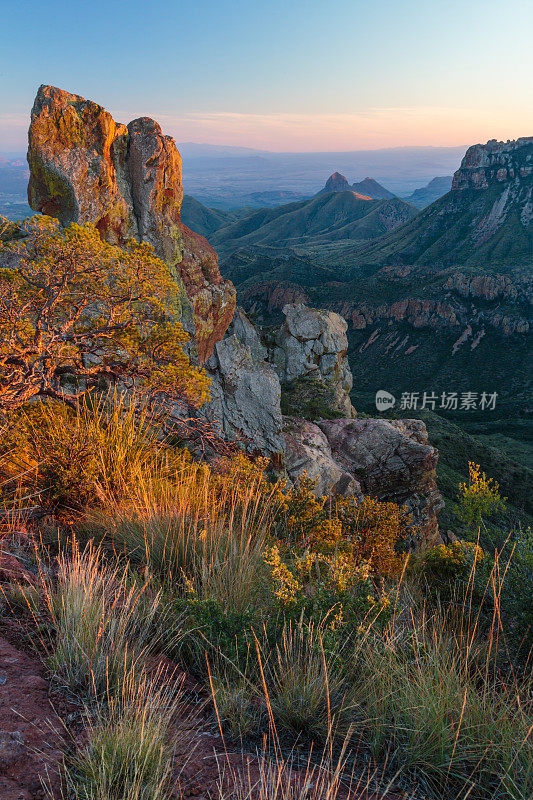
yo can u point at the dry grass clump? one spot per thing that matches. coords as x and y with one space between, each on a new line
201 531
306 691
129 752
64 459
104 622
430 693
278 775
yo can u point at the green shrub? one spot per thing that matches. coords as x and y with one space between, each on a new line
517 592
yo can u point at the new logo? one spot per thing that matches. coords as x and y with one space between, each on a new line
384 400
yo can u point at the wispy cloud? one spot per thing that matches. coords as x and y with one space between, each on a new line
14 121
370 128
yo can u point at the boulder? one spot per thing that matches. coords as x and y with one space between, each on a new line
390 460
126 180
314 342
307 450
393 461
77 160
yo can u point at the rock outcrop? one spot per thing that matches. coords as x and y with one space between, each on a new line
126 180
313 342
308 452
391 460
495 163
444 307
245 390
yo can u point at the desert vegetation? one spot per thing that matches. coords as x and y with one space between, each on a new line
339 661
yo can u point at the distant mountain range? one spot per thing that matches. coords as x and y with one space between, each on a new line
367 189
428 194
226 177
14 176
334 215
442 302
486 217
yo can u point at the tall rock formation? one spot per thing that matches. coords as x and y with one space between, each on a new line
245 390
126 180
313 343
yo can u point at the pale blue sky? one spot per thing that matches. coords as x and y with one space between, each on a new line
284 74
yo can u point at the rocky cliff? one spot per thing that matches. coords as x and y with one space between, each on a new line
126 180
389 460
495 163
313 344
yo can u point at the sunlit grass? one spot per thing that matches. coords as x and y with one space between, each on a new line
104 622
129 751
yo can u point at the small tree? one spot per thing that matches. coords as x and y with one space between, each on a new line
480 498
74 308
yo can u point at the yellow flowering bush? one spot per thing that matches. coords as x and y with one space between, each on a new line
304 520
456 567
332 555
287 588
455 559
479 498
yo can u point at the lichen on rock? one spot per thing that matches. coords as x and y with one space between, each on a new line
313 342
126 180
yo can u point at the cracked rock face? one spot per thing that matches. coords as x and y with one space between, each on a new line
313 342
126 180
495 163
390 460
309 452
245 390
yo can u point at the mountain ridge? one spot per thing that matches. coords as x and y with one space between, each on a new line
325 218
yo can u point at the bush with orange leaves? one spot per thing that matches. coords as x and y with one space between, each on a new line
332 556
368 531
374 532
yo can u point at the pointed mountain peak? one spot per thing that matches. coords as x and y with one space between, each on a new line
371 187
336 183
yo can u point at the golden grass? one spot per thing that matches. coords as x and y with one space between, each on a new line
129 752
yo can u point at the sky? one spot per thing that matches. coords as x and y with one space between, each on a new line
281 75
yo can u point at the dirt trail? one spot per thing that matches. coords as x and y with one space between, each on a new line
31 743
